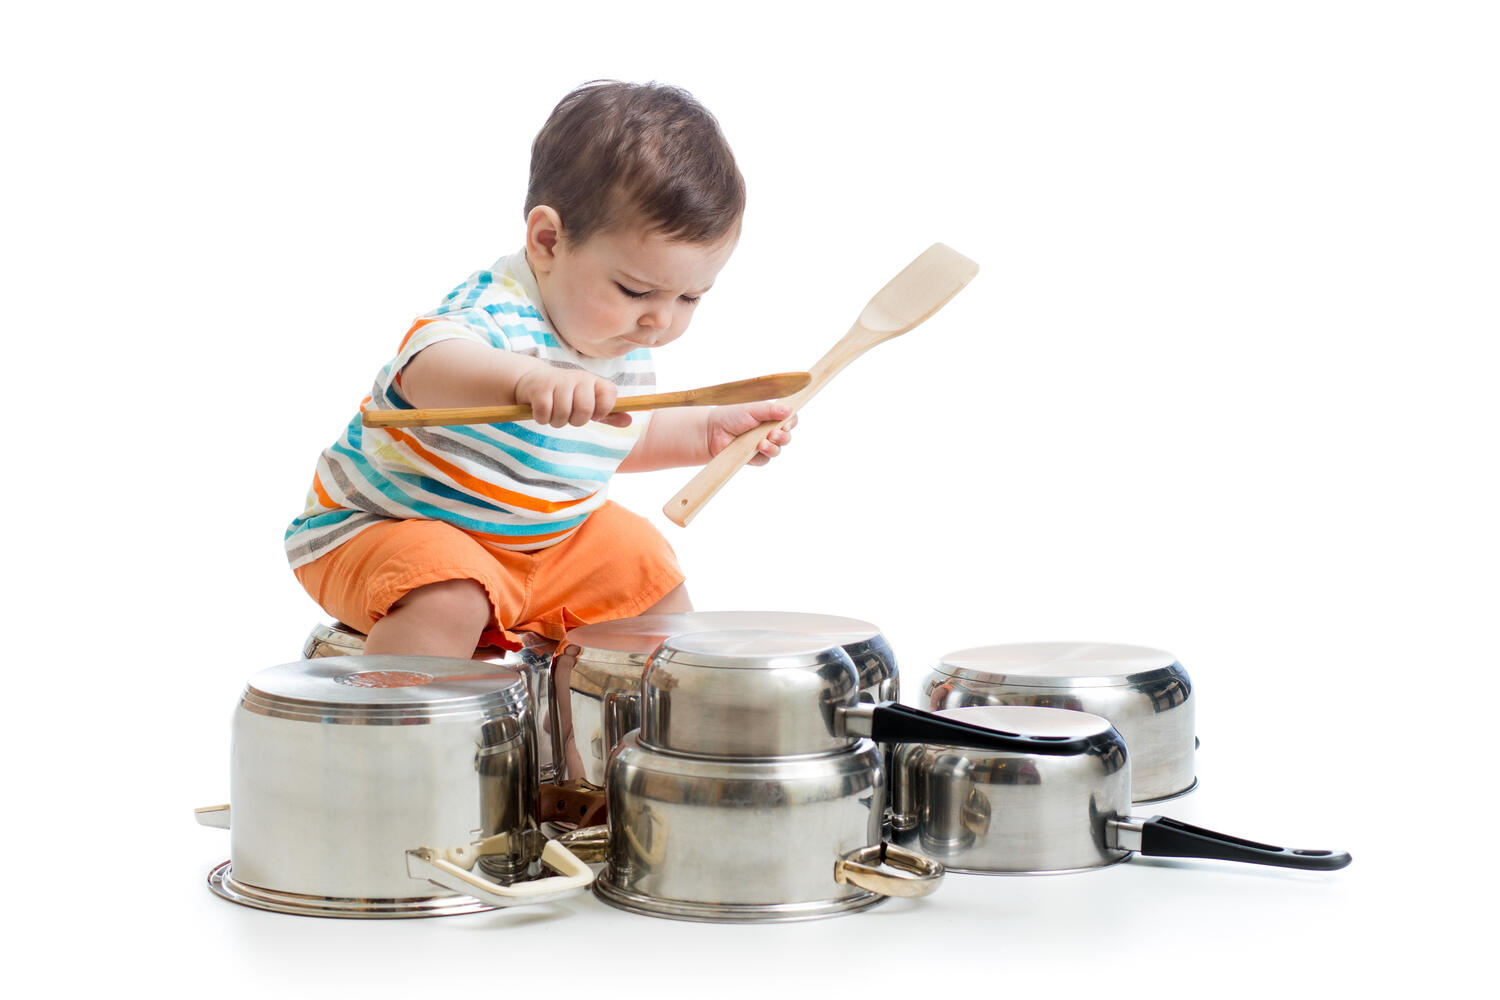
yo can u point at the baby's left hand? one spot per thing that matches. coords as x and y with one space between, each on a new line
725 423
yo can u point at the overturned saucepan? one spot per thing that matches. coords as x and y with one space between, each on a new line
1144 693
597 671
1003 812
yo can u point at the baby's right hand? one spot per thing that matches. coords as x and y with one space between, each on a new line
559 396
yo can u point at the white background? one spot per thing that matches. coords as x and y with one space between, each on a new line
1225 385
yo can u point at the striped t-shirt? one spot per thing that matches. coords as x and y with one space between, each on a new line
518 486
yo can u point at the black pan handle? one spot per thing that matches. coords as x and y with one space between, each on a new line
892 722
1161 837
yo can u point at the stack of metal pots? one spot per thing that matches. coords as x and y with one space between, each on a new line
738 799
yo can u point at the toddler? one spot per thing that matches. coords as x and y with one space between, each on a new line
438 540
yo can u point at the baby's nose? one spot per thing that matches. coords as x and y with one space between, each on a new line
657 319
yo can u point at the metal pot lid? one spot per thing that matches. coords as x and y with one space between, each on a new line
748 649
1030 720
632 640
1059 664
383 689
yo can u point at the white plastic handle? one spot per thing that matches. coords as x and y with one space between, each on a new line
451 868
215 816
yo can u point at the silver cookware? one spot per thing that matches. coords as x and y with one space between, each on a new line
532 662
1000 812
344 769
1144 693
754 790
597 671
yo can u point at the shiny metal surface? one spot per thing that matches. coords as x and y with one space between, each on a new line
332 639
1126 833
739 840
747 693
340 765
222 883
597 671
1144 693
889 870
991 812
533 662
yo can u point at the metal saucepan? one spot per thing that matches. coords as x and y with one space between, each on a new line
1144 693
342 768
596 673
1000 812
754 790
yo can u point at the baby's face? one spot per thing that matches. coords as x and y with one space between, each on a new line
626 289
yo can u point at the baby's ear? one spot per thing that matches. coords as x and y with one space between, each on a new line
543 230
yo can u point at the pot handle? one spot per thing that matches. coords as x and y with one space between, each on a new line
590 844
1163 837
892 722
889 871
215 816
450 867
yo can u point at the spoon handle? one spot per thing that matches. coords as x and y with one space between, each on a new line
744 391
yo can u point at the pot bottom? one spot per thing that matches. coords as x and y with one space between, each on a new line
1170 795
729 913
222 883
1037 873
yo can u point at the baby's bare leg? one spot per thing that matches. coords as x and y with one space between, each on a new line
675 600
440 619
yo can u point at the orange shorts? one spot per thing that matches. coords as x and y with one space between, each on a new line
616 565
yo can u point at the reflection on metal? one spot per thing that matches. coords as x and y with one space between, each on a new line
1144 693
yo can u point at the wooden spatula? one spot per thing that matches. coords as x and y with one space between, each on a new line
744 391
920 290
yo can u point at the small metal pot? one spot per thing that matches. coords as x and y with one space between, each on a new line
1144 693
992 812
597 671
753 790
343 767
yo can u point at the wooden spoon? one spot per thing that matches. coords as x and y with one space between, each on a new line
744 391
920 290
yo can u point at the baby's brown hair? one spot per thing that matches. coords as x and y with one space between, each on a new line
612 154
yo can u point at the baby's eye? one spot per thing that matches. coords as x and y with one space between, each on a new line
631 292
691 300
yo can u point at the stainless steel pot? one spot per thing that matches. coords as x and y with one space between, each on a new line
751 840
533 662
343 769
1016 813
753 790
597 671
1144 693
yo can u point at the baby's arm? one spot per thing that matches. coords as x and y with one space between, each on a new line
693 435
465 373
